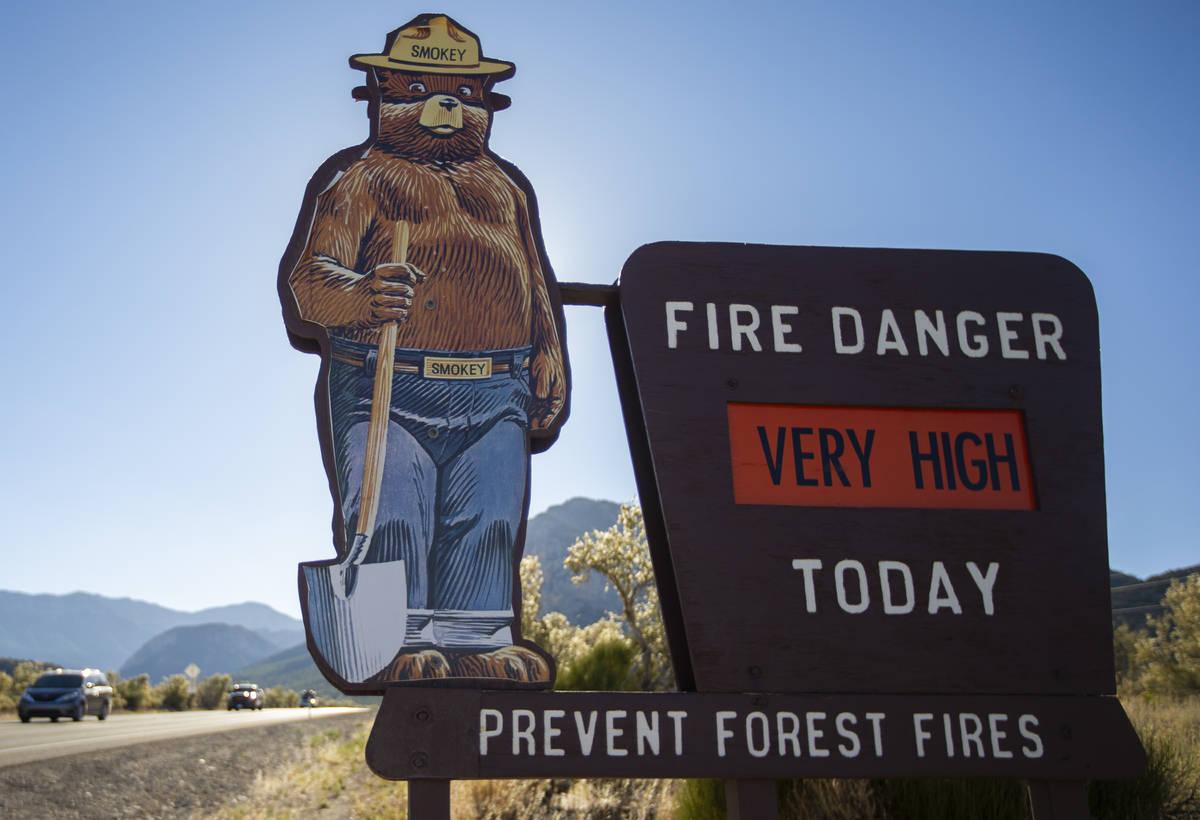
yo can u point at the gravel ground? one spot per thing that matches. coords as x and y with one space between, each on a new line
164 779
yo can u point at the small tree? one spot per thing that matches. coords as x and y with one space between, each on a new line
8 698
1125 656
1169 654
603 669
532 578
277 697
25 673
135 693
622 556
211 692
114 680
553 631
174 694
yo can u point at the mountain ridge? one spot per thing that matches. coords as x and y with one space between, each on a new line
216 649
87 629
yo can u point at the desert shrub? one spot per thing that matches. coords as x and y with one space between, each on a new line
1125 654
8 698
700 800
852 799
12 685
277 697
25 673
210 692
1140 798
953 799
1170 786
605 668
114 680
1167 657
841 799
174 694
135 693
621 555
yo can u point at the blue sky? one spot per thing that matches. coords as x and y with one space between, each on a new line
157 431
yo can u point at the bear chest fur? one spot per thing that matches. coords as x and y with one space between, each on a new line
467 233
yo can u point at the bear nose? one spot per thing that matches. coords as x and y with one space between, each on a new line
448 104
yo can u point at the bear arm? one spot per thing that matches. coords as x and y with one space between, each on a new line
548 365
328 291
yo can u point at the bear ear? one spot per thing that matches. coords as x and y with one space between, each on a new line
498 102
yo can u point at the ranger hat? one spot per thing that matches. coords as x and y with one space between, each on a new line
433 44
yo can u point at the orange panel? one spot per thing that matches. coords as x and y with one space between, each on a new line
811 456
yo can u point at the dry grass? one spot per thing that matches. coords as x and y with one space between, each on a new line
333 782
565 799
1177 717
1170 787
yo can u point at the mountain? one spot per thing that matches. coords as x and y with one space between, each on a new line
294 669
548 536
82 629
217 649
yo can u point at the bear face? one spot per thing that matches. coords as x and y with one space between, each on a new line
438 117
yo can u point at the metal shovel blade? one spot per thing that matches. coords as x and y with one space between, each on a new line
357 634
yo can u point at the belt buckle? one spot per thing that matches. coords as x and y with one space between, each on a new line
447 367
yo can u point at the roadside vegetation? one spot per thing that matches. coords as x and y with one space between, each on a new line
1158 677
171 694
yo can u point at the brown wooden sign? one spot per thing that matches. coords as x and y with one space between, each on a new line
878 470
485 734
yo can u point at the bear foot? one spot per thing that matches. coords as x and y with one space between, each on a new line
512 663
424 664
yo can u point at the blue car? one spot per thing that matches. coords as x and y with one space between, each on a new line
72 693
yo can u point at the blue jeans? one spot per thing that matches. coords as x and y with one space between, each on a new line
453 491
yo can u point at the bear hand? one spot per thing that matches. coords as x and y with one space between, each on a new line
549 390
391 291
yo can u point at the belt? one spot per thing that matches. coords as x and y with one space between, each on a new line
416 365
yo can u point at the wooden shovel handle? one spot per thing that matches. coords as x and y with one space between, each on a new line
381 405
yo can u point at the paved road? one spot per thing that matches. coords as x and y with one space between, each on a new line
40 739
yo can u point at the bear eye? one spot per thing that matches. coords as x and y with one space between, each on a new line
417 87
465 91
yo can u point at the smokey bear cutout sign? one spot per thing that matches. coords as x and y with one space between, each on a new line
876 557
417 271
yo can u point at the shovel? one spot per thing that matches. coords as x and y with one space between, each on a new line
357 613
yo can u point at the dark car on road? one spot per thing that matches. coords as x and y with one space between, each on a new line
71 693
245 696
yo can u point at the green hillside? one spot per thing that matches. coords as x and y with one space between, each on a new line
293 669
215 648
83 629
